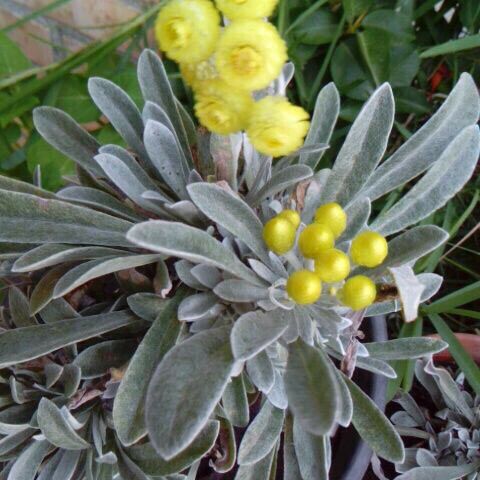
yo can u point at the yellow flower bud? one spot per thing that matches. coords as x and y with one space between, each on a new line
250 54
188 30
239 9
332 266
292 216
279 235
304 287
316 238
369 249
277 127
333 215
358 292
222 109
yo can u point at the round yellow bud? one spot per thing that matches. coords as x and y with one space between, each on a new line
250 54
333 215
332 266
369 249
279 235
277 127
238 9
188 30
315 239
222 109
358 292
292 216
304 287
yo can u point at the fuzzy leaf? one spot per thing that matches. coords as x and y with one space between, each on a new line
447 176
29 461
188 384
129 404
189 243
122 112
147 458
261 470
67 136
23 344
460 110
358 214
231 213
285 178
374 427
313 453
19 308
225 152
235 402
56 427
167 157
404 348
240 291
254 331
363 149
409 290
88 271
261 435
147 305
325 117
440 473
196 306
24 217
42 294
67 465
312 388
260 371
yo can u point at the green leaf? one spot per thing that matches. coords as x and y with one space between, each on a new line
374 427
147 458
261 435
97 360
188 384
375 47
232 213
29 461
404 65
353 8
235 402
24 218
12 59
455 299
23 344
319 28
465 362
254 331
405 348
42 294
411 100
129 404
55 426
393 23
311 387
179 240
53 164
261 470
453 46
19 308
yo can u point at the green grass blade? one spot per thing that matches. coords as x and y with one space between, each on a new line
453 46
463 296
461 356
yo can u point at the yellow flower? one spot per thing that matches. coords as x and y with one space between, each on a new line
277 127
250 54
279 235
315 239
237 9
333 215
332 265
199 75
369 249
188 30
358 292
304 287
222 109
292 216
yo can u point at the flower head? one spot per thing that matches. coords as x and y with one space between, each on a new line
358 292
199 75
369 249
304 287
188 30
221 109
250 54
279 235
277 127
333 215
239 9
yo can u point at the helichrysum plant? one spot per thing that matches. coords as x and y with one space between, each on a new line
445 429
229 66
173 281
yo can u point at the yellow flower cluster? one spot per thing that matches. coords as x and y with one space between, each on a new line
224 66
332 266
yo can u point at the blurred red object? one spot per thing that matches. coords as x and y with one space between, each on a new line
441 73
469 341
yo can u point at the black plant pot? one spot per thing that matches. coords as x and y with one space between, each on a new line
350 454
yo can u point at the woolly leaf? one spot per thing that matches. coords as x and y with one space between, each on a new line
374 427
129 404
312 388
57 429
404 348
261 435
262 470
23 344
29 461
235 402
231 213
447 176
440 473
260 371
254 331
188 384
240 291
363 148
178 240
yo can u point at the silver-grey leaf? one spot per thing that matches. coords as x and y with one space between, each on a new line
239 291
196 306
260 371
29 461
405 348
